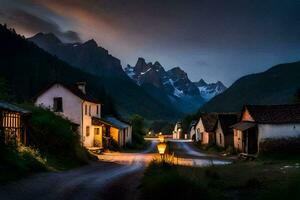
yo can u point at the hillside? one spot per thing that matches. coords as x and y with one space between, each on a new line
28 69
274 86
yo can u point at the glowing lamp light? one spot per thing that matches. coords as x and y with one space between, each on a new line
161 138
161 147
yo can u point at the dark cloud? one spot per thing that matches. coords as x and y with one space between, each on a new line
210 39
33 24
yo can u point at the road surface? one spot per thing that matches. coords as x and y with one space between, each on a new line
116 176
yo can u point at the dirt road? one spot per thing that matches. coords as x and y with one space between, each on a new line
116 176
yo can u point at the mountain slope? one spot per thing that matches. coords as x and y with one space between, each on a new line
172 87
28 69
87 56
274 86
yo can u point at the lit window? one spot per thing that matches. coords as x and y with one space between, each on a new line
96 130
87 132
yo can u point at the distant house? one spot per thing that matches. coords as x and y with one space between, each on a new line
75 104
260 122
192 130
12 124
119 131
205 128
224 134
178 131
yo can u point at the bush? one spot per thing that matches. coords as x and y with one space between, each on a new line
162 181
289 145
20 161
54 136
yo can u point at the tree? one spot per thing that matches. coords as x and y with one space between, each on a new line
3 89
297 96
138 131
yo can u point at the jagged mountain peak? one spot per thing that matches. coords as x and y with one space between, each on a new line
90 43
174 83
87 56
49 37
201 82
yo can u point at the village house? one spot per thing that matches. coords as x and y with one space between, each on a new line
120 131
178 131
261 122
192 130
224 134
76 105
82 109
205 128
12 124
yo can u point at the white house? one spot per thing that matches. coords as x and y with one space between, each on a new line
205 128
192 130
260 122
76 105
178 132
224 134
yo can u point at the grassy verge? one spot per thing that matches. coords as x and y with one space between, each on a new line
53 145
262 179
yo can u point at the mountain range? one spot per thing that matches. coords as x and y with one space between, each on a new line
28 69
171 88
173 84
277 85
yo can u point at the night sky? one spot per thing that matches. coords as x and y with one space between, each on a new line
210 39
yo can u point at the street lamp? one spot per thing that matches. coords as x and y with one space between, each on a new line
161 138
161 147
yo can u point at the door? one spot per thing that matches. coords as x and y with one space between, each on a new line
252 140
98 136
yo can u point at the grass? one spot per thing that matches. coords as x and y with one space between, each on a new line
20 161
262 179
53 146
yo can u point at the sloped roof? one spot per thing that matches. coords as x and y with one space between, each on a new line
274 114
227 120
75 90
11 107
243 125
209 121
111 121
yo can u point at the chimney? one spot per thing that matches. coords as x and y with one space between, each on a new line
81 86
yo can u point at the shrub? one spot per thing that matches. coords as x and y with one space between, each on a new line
289 145
54 136
20 161
162 181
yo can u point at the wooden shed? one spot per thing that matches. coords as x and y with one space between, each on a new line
12 124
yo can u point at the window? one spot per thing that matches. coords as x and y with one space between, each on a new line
90 110
87 131
85 109
97 110
57 104
96 131
220 138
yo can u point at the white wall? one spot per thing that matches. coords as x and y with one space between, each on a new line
199 129
71 103
73 109
220 135
278 130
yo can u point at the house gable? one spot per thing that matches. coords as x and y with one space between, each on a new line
246 116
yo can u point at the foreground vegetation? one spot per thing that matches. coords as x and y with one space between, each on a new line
266 178
53 145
